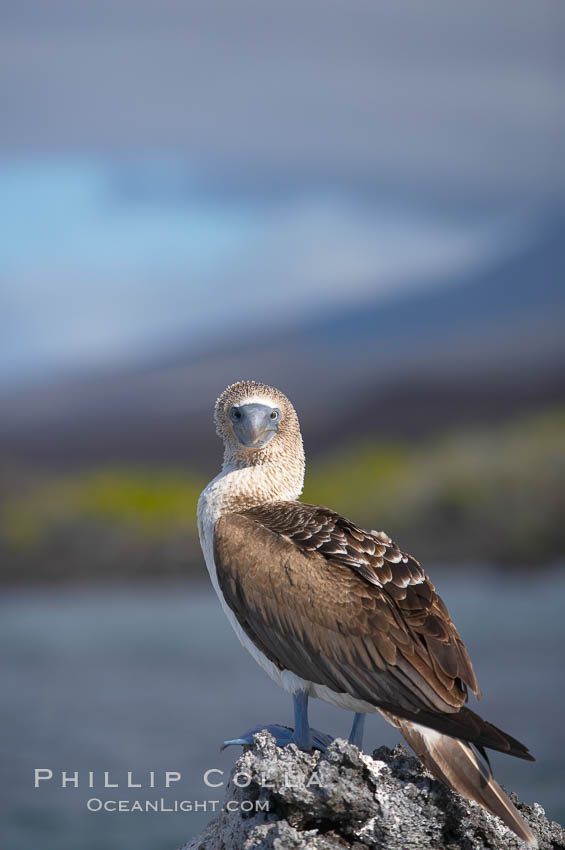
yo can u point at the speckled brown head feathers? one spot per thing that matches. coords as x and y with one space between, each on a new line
285 447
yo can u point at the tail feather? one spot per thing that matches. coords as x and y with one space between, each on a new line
455 763
463 724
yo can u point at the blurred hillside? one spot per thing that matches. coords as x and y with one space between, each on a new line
486 494
436 414
488 346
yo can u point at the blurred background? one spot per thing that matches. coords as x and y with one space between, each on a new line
362 204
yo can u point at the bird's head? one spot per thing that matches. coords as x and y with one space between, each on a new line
258 424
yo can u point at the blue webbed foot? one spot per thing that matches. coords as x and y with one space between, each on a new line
302 735
283 735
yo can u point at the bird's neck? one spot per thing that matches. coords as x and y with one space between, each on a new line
239 487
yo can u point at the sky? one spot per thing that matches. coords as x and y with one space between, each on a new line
92 275
170 169
437 94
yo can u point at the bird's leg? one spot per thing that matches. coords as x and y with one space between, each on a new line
304 737
301 735
356 734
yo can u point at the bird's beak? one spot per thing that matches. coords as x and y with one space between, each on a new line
254 427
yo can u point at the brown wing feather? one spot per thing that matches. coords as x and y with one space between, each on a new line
328 581
359 628
421 629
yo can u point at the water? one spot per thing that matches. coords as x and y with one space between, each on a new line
152 679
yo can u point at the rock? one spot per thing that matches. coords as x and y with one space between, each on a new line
284 799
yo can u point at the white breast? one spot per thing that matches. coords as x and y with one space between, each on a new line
209 509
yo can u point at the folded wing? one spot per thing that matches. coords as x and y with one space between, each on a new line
345 608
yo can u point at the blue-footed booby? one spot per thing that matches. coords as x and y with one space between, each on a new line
330 610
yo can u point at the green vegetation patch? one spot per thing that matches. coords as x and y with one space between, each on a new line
493 493
144 501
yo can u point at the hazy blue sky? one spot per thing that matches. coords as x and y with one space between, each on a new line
168 167
447 95
91 274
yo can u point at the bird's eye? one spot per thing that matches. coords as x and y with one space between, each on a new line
235 413
275 415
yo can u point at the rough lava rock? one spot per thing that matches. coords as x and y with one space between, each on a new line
346 800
